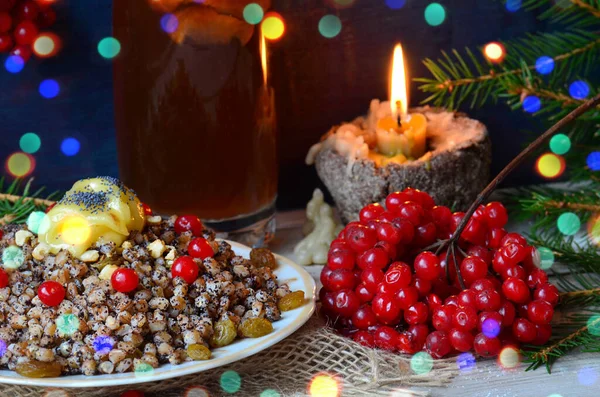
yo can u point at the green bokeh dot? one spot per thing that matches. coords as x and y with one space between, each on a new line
421 363
144 369
253 13
330 26
12 257
546 257
593 325
435 14
560 144
67 324
568 223
30 142
231 382
109 47
270 393
35 220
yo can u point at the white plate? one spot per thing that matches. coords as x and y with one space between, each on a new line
287 272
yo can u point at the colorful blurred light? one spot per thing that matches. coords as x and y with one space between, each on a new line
546 258
2 347
169 23
466 362
330 26
550 165
109 47
103 344
579 89
593 161
435 14
324 385
12 257
568 223
421 363
49 88
513 5
253 13
544 65
273 26
196 391
395 4
593 228
143 370
67 324
494 52
509 358
593 325
75 230
490 328
30 142
270 393
20 164
70 146
532 104
34 221
46 45
587 376
14 63
560 144
231 382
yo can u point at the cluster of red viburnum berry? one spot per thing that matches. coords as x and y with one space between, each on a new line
20 24
383 288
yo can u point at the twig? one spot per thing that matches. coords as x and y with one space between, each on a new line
37 201
543 354
573 294
572 206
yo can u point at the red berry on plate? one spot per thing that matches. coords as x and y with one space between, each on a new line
341 279
341 258
200 248
499 263
452 300
495 215
364 317
461 340
51 293
186 268
425 235
406 297
465 318
515 290
397 276
516 272
386 308
442 317
125 280
524 330
132 393
513 253
371 212
188 223
389 249
5 22
360 238
494 317
433 301
508 313
346 303
427 266
419 334
407 230
147 209
488 300
547 292
25 32
364 338
6 42
324 277
473 268
540 312
374 257
481 252
3 277
486 347
423 198
416 314
438 344
385 338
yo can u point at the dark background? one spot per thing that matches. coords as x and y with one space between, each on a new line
319 82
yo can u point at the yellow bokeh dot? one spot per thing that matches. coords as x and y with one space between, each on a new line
550 165
508 358
494 52
273 26
19 164
75 230
594 229
44 45
324 386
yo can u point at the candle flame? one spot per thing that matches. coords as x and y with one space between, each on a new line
263 56
398 86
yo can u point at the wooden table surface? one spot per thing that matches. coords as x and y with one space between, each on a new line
575 375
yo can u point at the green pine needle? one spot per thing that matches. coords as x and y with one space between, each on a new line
17 200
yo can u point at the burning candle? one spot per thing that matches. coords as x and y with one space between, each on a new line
401 135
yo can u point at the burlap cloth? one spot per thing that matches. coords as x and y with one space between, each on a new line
288 369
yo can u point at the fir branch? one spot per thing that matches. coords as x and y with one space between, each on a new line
581 12
583 258
18 201
579 289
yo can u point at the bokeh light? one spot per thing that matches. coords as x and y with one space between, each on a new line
513 5
544 65
143 370
49 88
546 257
67 324
593 325
12 257
550 165
253 13
2 347
103 344
20 164
587 376
270 393
494 52
594 229
435 14
466 362
231 382
273 26
568 223
35 220
421 363
593 161
509 358
395 4
70 146
196 391
579 89
109 47
14 63
490 328
169 23
330 26
46 45
30 142
324 385
532 104
560 144
75 230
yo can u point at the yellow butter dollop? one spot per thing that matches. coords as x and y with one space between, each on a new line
98 210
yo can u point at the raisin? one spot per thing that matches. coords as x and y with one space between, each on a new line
263 257
225 333
198 352
256 327
39 369
291 301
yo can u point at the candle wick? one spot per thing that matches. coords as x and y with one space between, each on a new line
398 111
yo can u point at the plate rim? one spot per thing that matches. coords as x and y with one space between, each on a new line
83 381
